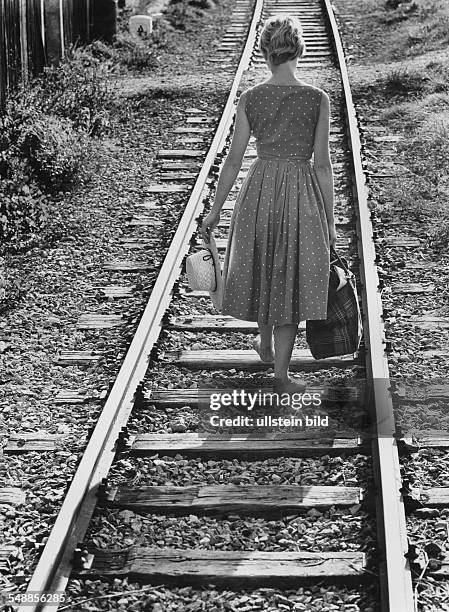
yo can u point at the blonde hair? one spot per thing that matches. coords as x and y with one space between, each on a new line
281 39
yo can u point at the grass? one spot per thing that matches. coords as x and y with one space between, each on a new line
393 29
404 78
423 195
408 81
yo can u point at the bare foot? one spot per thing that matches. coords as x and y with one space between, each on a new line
266 353
289 385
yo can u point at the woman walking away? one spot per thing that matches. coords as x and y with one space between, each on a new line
276 269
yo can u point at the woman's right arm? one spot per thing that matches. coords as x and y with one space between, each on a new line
323 166
231 166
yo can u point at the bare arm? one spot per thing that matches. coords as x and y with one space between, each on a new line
231 166
323 165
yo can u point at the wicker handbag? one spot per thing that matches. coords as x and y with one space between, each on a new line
341 332
204 273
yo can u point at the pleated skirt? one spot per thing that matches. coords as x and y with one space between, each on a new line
276 268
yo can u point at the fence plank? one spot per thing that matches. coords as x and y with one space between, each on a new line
36 32
12 40
3 59
34 29
54 30
67 19
23 40
80 21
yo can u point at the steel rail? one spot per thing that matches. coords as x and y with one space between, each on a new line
52 571
395 576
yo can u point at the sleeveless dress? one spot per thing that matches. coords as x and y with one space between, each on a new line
276 268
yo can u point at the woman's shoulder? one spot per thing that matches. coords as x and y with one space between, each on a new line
244 95
316 91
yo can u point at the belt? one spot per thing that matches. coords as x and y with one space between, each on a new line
292 158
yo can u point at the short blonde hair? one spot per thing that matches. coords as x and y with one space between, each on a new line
281 39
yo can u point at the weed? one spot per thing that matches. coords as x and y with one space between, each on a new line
182 14
55 152
78 89
403 82
23 208
439 236
136 52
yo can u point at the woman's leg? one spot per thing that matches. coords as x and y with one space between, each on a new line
284 339
263 344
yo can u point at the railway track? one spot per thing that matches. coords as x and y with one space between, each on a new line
180 337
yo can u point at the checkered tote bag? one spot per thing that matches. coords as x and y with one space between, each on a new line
340 333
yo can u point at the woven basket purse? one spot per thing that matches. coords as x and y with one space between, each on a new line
341 332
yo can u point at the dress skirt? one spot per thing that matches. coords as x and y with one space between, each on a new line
276 268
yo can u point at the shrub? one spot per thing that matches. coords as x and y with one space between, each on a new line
54 150
78 89
136 52
427 151
23 208
51 150
181 14
439 235
404 82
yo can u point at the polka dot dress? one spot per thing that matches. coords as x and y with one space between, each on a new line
276 268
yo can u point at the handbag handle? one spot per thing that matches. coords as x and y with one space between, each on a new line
336 256
207 246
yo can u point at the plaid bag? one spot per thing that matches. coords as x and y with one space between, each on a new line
340 333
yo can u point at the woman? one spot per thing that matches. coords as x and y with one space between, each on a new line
276 269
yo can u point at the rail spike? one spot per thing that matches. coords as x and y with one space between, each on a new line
410 497
417 558
82 559
125 441
106 492
406 445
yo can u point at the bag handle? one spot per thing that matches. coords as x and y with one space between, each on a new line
207 245
336 256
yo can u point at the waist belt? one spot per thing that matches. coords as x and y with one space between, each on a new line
293 158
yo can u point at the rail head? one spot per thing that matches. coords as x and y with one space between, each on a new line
52 571
395 580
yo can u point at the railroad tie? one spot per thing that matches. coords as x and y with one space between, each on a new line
223 568
96 321
127 266
12 496
254 500
193 397
246 359
32 442
77 358
117 291
254 446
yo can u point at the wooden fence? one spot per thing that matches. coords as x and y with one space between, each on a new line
34 33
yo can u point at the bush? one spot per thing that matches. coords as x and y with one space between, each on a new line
181 14
439 235
78 89
139 53
54 150
404 82
42 153
51 150
23 209
427 151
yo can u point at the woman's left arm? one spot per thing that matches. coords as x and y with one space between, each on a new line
231 167
323 165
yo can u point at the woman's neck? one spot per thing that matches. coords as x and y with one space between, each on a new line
283 75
